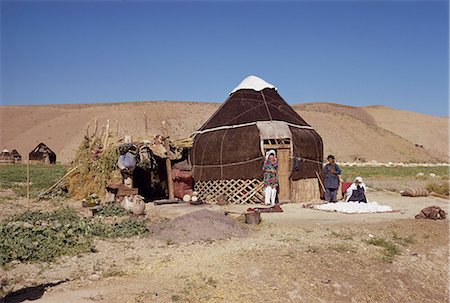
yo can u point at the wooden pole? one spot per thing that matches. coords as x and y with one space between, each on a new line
28 180
56 183
320 181
95 128
169 170
107 134
146 125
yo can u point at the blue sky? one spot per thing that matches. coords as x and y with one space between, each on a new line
361 53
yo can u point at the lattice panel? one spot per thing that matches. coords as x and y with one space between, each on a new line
237 191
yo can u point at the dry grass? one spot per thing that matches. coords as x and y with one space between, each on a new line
441 188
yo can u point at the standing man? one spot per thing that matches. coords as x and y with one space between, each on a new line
332 174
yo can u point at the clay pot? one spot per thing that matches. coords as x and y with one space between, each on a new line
138 205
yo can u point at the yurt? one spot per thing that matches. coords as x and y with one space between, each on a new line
6 156
228 150
41 153
16 155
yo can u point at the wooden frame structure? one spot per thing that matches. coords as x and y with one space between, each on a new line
236 191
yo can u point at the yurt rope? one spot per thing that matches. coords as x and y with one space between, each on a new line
248 124
308 160
221 153
230 164
267 107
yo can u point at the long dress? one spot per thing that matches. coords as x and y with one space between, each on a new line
270 178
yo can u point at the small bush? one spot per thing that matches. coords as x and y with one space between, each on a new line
111 210
440 188
126 228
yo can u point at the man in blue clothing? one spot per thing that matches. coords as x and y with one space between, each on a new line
332 174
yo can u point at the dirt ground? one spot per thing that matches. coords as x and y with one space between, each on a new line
300 255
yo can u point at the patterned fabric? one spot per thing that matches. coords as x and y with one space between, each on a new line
270 178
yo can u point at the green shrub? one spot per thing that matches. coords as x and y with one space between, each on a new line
43 236
111 210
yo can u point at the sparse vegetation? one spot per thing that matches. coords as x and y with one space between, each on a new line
404 240
112 209
44 236
350 172
439 188
342 247
342 235
41 177
390 248
312 249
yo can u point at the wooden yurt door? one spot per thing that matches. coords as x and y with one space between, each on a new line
283 149
284 171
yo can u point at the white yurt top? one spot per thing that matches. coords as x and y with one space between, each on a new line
253 82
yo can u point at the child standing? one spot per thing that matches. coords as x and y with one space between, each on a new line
270 168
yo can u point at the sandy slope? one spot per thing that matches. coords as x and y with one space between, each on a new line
348 132
62 127
429 131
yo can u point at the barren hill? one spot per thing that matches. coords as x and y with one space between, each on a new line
425 132
429 131
351 133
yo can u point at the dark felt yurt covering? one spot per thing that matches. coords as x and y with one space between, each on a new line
228 145
42 153
16 155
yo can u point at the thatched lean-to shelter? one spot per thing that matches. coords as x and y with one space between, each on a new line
6 157
42 153
228 150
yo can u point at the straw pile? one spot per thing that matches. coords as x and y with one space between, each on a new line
92 175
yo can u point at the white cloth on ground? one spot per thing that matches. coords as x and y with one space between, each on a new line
354 207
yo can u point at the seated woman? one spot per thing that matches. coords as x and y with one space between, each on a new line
357 191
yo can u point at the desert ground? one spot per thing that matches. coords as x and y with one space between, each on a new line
300 255
350 133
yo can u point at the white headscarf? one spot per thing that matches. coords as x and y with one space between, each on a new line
270 152
354 187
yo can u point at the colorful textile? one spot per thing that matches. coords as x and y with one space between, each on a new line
182 183
270 178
